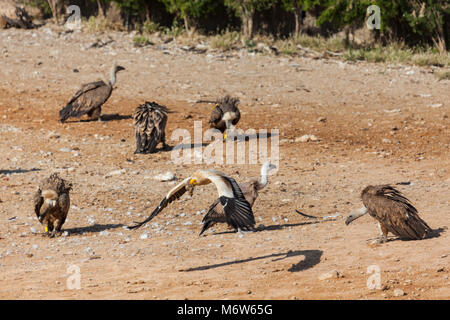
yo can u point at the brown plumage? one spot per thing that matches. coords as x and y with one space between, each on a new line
238 212
225 114
150 123
393 212
14 16
52 202
216 213
90 98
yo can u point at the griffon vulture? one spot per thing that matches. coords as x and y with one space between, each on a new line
393 211
225 115
51 203
150 123
216 213
238 212
90 98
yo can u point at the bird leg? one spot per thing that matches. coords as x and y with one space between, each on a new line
383 233
95 114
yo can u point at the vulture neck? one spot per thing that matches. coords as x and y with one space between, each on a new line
112 75
264 170
223 189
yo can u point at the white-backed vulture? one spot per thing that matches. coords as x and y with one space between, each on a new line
238 212
393 212
225 115
90 98
51 203
216 213
149 124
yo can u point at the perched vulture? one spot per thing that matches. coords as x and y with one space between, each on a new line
90 98
225 115
238 212
216 213
149 124
51 203
14 16
393 211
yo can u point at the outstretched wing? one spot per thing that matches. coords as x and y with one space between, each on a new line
237 210
173 195
214 215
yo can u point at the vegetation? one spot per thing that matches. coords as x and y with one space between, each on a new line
411 31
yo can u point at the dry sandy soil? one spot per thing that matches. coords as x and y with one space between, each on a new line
376 124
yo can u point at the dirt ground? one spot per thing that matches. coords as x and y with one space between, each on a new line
375 123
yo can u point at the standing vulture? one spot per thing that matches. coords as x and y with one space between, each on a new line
216 213
393 211
225 115
90 98
150 123
51 203
238 212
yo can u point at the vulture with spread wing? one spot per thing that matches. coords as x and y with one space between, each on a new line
52 202
225 115
238 212
216 212
90 98
393 212
150 124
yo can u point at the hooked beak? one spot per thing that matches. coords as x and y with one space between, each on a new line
119 68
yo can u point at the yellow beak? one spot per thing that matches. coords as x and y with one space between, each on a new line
193 181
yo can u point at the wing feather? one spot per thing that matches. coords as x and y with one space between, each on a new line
171 196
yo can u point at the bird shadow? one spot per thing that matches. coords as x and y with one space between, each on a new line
312 258
436 233
271 228
18 171
103 118
91 229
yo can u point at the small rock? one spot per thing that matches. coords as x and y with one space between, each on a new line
306 138
398 292
168 176
144 236
333 274
115 173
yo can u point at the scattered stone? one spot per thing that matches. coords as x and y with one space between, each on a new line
168 176
333 274
115 173
306 138
144 236
399 293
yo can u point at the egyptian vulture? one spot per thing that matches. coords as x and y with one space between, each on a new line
216 213
225 115
393 211
150 123
238 212
51 203
90 98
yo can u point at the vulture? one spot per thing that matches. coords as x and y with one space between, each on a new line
51 203
225 115
238 212
14 16
150 123
393 211
90 98
216 213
